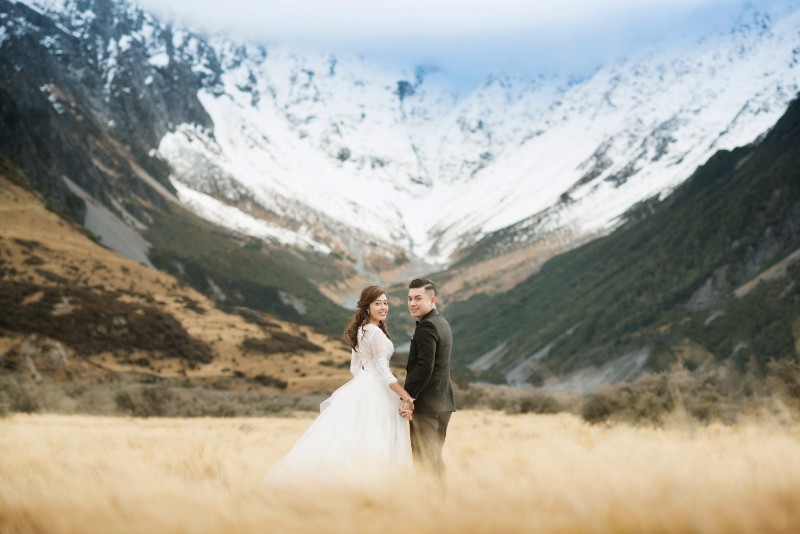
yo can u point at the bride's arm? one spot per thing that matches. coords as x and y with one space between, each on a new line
402 393
377 340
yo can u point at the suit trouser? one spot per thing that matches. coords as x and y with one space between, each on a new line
428 431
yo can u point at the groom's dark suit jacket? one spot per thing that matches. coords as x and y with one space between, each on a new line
428 369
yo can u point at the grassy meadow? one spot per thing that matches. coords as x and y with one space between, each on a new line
507 473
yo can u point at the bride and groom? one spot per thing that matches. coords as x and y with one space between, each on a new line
373 422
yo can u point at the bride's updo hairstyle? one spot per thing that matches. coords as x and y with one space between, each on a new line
361 316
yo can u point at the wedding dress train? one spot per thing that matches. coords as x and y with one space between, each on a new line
359 433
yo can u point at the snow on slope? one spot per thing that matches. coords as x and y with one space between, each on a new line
638 128
317 144
395 154
335 140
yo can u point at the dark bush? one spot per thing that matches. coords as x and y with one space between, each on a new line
509 399
536 402
784 380
124 402
223 410
33 260
706 405
18 397
647 400
98 321
277 342
601 405
715 396
268 380
12 360
144 401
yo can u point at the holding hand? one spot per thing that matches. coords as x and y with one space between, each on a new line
407 408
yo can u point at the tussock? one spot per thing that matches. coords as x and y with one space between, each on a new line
507 473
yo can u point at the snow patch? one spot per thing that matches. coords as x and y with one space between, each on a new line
124 43
52 97
230 217
3 36
159 60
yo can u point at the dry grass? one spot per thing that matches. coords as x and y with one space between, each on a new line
523 473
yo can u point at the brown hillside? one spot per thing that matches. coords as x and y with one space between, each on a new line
117 320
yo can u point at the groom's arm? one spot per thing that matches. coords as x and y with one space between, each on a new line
426 339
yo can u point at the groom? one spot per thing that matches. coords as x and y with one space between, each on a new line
428 378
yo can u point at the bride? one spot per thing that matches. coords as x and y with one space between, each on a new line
362 429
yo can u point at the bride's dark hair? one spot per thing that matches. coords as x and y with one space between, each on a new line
361 316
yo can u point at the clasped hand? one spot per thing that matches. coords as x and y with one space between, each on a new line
407 409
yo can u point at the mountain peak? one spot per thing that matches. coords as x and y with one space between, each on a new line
399 156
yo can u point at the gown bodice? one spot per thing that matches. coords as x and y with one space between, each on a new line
372 353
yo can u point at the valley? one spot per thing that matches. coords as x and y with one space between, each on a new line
584 230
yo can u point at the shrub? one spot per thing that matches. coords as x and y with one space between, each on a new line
601 405
647 400
268 380
144 401
106 322
537 402
124 402
784 380
652 398
278 342
18 397
5 404
509 399
12 360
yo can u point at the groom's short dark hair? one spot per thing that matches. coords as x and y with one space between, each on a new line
422 282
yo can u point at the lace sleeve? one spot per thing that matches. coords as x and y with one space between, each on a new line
382 349
355 363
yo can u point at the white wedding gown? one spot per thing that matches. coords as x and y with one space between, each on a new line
359 433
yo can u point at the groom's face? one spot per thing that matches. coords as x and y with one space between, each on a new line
420 302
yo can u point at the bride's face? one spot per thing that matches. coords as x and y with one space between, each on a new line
379 308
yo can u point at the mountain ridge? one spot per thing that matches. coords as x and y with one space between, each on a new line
397 147
707 276
72 122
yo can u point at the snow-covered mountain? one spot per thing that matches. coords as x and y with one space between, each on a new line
396 155
336 154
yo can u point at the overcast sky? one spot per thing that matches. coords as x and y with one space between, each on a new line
467 39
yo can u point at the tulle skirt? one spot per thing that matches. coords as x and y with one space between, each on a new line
358 436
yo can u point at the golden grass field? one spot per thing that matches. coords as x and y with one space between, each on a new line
507 473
